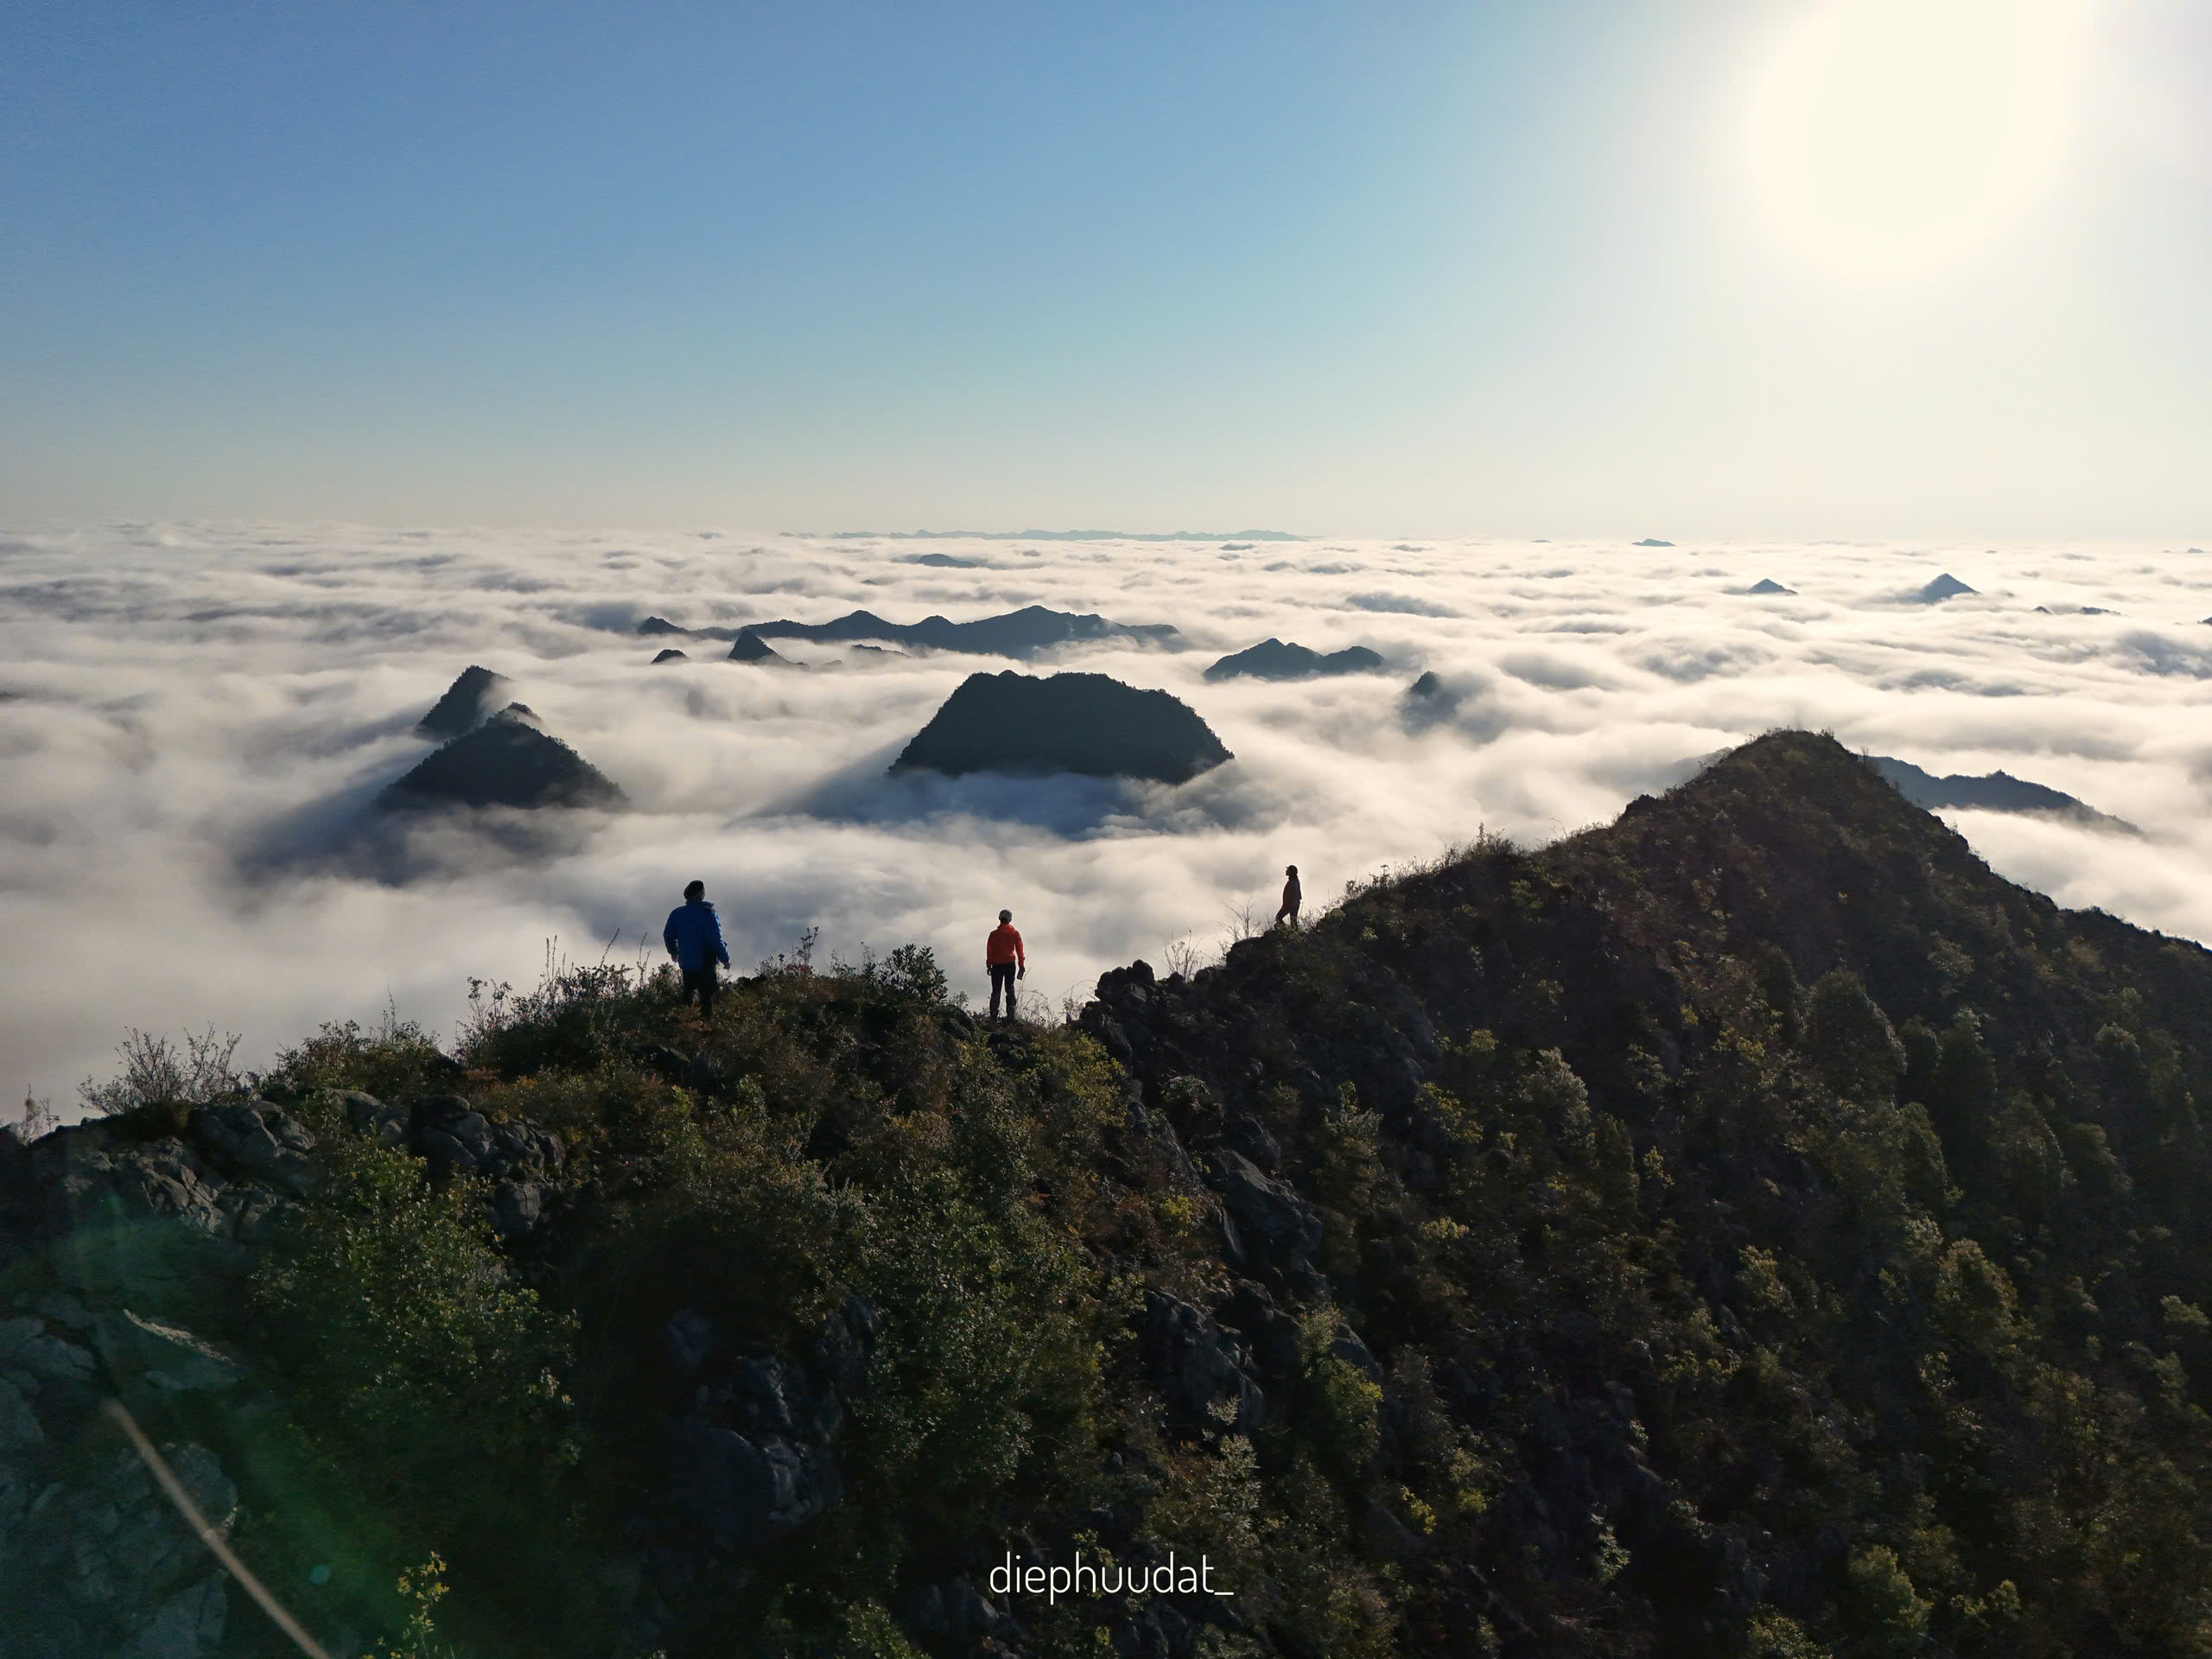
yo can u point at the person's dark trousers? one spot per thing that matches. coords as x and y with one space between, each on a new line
1002 974
701 979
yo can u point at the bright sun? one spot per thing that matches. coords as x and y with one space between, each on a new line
1889 137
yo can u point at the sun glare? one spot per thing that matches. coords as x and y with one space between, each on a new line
1888 137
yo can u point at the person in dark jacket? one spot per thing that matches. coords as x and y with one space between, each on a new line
1291 896
1004 961
694 938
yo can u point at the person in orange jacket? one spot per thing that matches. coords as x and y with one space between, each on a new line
1004 961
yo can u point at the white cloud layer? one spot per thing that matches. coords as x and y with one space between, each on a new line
192 720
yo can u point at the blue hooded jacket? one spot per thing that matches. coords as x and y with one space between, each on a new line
693 935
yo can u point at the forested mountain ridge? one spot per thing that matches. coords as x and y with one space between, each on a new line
1749 1228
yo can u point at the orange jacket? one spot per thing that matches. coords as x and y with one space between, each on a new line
1003 945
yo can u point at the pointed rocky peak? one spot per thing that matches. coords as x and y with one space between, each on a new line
1767 585
469 702
508 760
749 647
671 655
1946 586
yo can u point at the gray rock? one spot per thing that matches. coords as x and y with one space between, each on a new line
18 1422
188 1625
111 1551
748 1493
1269 1215
168 1357
516 1208
260 1139
385 1124
17 1486
27 1345
1197 1365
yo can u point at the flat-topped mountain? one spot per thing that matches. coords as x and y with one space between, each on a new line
469 702
1019 633
506 761
1272 659
1086 723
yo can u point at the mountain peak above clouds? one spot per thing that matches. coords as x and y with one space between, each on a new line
1946 586
1274 660
1020 634
1089 724
469 702
509 760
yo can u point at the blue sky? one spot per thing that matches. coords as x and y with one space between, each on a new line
1407 269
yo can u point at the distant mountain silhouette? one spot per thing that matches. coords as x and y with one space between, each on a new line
506 761
1272 659
1768 585
1995 791
1653 541
671 655
1946 586
750 648
655 626
1085 723
2074 610
467 702
1020 634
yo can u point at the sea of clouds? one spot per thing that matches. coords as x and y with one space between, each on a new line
194 719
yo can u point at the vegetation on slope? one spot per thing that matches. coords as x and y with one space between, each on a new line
1751 1227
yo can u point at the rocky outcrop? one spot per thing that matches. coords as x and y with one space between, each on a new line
1202 1373
506 761
107 1566
468 704
1272 659
1084 723
520 1162
750 1449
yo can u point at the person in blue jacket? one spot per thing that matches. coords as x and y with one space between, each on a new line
694 938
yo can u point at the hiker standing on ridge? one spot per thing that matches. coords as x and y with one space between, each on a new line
1004 961
694 938
1291 896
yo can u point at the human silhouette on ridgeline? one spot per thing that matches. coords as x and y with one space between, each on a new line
694 938
1003 959
1291 896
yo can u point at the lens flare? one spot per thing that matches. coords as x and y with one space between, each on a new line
1887 139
